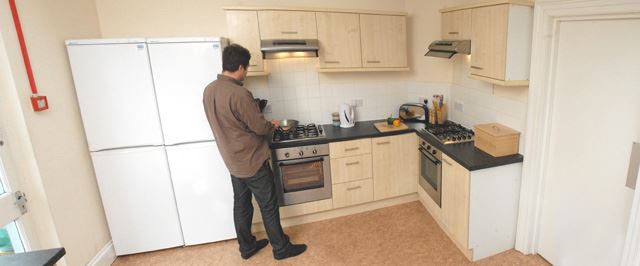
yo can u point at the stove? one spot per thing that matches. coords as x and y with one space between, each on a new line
301 132
450 132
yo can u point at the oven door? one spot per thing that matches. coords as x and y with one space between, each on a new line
303 180
431 175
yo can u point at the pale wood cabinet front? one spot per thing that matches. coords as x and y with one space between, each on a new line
339 38
352 193
351 168
489 41
384 41
349 148
456 25
243 30
287 25
395 165
455 200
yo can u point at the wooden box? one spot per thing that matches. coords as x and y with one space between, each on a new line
496 139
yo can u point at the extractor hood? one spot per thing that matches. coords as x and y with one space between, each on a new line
446 49
273 49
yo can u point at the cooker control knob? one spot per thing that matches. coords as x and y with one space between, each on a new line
286 155
314 151
434 152
301 153
428 147
424 143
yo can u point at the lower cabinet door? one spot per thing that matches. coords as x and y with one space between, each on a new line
455 200
203 190
352 193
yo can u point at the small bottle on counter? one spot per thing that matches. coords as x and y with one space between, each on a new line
335 116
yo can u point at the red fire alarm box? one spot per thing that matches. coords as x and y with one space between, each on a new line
39 103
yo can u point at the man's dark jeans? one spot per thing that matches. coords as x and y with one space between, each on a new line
263 187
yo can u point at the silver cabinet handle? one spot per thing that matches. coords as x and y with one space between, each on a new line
351 149
253 64
382 143
353 163
332 62
454 32
477 67
289 32
447 162
353 188
632 174
373 61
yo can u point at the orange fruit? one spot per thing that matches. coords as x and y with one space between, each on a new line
396 123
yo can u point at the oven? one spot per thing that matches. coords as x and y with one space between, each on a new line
302 174
431 171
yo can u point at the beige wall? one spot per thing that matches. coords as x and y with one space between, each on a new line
56 135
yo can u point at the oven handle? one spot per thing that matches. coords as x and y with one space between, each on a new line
301 161
429 156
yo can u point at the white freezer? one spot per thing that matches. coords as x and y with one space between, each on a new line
203 190
181 71
115 94
138 199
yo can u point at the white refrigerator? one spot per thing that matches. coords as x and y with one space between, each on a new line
161 178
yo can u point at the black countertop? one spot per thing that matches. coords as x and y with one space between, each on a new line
466 154
33 258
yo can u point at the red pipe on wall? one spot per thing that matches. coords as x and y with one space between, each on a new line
23 46
39 103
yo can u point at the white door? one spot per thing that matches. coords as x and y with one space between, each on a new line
181 71
115 93
595 120
137 195
203 192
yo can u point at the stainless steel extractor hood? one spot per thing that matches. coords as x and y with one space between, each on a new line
446 49
273 49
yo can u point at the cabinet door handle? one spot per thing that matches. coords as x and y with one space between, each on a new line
351 149
332 62
477 67
353 188
253 64
445 161
454 32
289 32
382 143
373 61
352 163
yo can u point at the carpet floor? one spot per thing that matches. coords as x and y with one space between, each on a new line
399 235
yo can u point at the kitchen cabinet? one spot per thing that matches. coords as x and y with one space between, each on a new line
339 38
455 200
352 193
456 25
395 165
349 148
501 44
384 41
281 24
243 29
351 168
479 209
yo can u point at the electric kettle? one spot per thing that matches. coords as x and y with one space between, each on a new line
346 116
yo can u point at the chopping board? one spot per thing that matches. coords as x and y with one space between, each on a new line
384 127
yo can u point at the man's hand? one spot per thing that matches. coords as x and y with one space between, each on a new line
275 122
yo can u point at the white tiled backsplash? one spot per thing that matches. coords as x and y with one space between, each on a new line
296 90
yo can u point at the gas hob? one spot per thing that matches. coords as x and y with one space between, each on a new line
450 132
301 132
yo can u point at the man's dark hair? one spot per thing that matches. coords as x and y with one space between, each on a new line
235 56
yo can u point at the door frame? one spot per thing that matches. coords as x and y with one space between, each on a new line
547 16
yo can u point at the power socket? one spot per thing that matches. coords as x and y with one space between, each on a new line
357 103
458 106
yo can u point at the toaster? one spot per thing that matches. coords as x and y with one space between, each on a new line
414 112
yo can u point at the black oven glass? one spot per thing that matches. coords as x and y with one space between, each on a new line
302 176
429 170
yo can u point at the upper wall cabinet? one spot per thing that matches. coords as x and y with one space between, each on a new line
349 40
500 39
339 38
456 25
287 25
246 33
384 41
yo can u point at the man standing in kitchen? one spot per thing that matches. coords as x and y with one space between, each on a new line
240 128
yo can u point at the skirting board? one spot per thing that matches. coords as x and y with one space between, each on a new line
105 257
314 217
